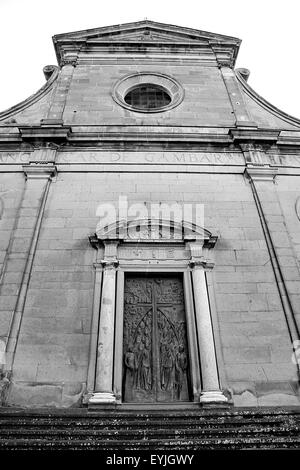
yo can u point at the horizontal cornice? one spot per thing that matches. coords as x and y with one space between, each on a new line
145 135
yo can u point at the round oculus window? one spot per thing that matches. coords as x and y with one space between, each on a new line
147 97
148 92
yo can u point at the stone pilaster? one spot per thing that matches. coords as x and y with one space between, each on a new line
241 113
211 392
103 393
55 113
24 241
262 179
94 332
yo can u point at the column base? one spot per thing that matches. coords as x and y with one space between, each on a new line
213 397
102 398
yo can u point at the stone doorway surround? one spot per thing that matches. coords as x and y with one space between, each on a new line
159 247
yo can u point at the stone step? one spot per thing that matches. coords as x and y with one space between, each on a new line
161 430
153 418
155 444
148 433
115 423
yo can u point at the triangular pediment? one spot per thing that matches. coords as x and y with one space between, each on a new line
152 35
144 35
144 30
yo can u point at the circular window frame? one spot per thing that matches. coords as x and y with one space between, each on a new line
167 84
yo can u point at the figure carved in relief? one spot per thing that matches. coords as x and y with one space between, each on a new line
155 357
131 366
166 366
143 373
146 370
181 363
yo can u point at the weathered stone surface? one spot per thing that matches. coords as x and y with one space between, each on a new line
35 395
204 151
182 430
278 399
245 399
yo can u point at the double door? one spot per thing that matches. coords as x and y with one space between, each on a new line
155 355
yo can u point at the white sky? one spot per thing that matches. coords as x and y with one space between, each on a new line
269 31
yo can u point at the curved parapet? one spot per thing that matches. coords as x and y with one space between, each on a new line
263 112
51 73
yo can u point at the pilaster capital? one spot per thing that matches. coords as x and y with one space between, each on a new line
69 60
199 254
44 154
110 264
253 153
39 170
261 173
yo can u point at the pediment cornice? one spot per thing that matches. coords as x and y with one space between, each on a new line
145 28
144 33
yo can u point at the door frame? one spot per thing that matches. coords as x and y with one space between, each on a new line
184 247
193 350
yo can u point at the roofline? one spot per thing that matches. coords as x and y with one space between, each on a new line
266 104
72 42
144 23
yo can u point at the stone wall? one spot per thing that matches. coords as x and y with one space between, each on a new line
74 145
11 234
206 101
254 349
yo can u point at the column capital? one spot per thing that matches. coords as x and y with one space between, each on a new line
39 170
199 252
110 264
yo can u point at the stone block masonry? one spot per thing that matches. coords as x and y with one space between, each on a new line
77 144
53 344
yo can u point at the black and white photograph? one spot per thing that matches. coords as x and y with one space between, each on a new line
149 229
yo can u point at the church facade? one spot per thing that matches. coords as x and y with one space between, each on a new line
150 229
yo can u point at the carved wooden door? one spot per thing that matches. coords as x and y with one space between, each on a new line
155 367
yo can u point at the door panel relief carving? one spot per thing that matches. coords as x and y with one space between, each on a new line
155 367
